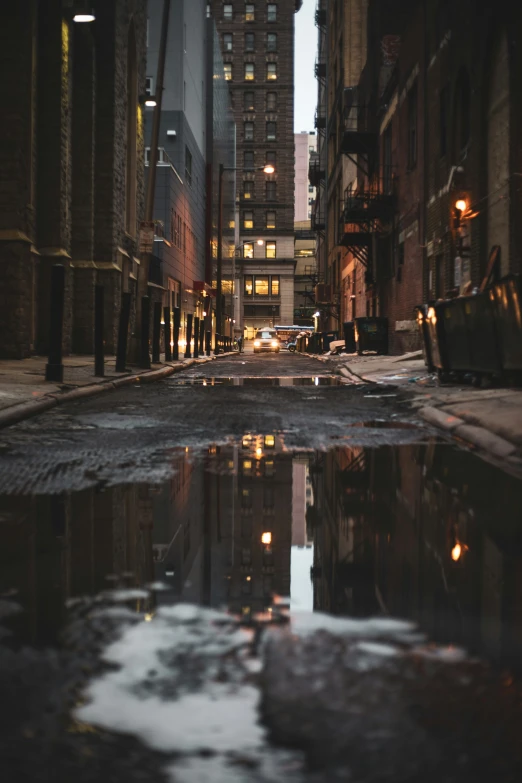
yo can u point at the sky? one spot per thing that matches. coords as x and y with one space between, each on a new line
305 94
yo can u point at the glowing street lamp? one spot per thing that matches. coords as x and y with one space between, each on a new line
266 538
84 12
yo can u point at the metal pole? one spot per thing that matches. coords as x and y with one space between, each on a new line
156 332
177 324
208 342
143 271
99 347
54 368
167 334
188 336
219 285
196 337
145 329
123 331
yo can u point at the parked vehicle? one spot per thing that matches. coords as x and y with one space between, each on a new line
266 340
292 347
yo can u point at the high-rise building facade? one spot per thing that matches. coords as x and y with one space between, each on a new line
305 146
258 49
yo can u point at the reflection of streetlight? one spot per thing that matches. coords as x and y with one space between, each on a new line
266 538
268 169
456 552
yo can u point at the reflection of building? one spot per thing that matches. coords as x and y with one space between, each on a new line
305 276
302 499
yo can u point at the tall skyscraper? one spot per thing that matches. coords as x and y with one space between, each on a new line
258 50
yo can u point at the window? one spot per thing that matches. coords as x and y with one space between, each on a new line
248 220
248 250
227 42
249 72
249 285
271 128
249 131
249 42
412 127
248 101
248 189
261 286
228 72
270 249
249 159
310 188
274 281
271 158
271 42
443 121
271 219
149 85
268 497
271 101
271 192
271 14
188 165
271 71
227 13
387 159
246 498
249 13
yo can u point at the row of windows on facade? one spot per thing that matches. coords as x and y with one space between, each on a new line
249 101
270 131
270 250
250 42
182 236
261 285
249 190
249 159
250 72
250 12
248 219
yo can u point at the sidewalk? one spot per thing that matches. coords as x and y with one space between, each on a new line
24 392
490 419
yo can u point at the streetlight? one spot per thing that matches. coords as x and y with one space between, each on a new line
268 169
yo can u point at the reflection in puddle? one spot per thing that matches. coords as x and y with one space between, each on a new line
414 531
318 380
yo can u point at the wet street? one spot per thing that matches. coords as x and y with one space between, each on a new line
256 571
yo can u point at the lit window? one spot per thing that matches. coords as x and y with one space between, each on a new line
227 42
249 287
228 71
248 220
227 12
271 42
270 249
271 192
249 159
248 101
249 42
249 13
249 131
248 251
261 286
249 72
248 190
246 498
271 71
269 441
271 131
247 465
271 219
269 467
271 15
274 280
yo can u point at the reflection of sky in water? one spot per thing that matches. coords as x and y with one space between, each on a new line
301 588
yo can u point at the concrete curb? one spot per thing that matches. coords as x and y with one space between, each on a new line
27 410
476 436
440 419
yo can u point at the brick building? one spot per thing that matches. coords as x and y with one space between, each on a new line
71 152
258 50
430 121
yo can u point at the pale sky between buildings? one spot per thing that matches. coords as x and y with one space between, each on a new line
305 52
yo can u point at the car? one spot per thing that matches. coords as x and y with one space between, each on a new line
266 340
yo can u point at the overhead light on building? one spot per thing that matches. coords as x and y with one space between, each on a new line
317 314
461 204
83 12
171 133
151 102
266 538
269 169
260 241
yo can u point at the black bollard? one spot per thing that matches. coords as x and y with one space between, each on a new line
145 331
99 346
208 342
196 337
54 368
188 353
156 332
202 337
123 332
177 324
168 332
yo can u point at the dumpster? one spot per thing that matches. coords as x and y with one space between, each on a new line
452 312
372 335
315 343
349 336
482 334
328 337
424 328
506 300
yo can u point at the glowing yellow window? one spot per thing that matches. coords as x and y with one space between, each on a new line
248 220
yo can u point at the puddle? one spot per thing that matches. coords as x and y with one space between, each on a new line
319 380
424 532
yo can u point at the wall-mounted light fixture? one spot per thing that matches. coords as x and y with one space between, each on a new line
171 134
83 12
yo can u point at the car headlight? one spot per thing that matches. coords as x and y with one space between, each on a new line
257 343
274 343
